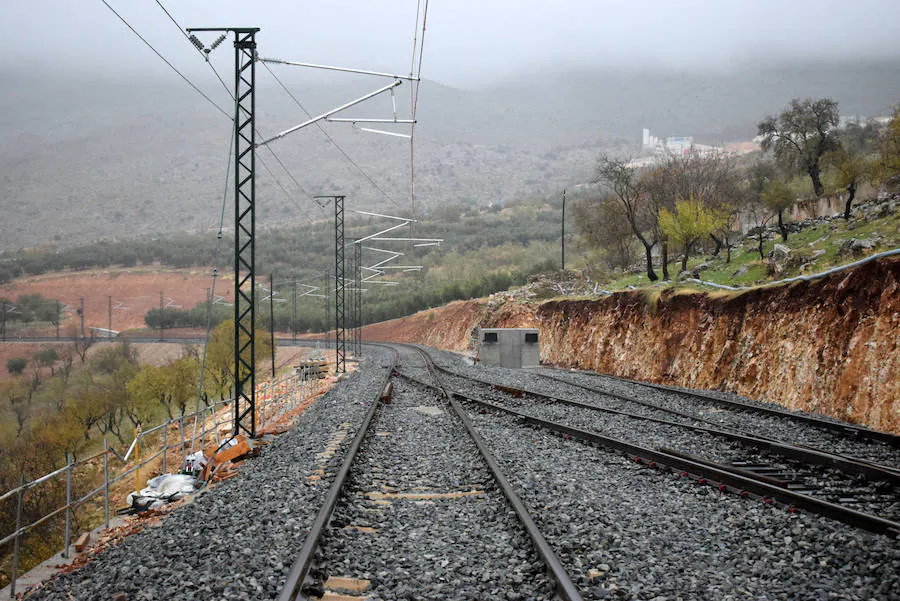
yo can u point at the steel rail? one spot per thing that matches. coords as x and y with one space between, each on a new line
869 470
845 429
565 588
724 475
717 426
292 588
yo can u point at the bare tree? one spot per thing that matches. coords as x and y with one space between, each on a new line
80 346
602 224
801 136
712 177
624 182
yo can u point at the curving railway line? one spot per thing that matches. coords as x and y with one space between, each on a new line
417 484
421 477
850 489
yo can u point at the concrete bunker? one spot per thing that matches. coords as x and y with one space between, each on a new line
509 347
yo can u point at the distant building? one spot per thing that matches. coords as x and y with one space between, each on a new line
680 144
653 148
845 120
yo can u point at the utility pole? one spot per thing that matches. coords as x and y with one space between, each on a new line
109 316
564 231
162 324
327 303
358 310
244 224
3 321
294 312
81 313
340 340
349 286
58 319
272 318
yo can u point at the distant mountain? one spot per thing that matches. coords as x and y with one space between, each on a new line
83 159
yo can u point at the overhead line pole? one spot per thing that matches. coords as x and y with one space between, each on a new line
564 231
340 316
272 318
358 278
244 226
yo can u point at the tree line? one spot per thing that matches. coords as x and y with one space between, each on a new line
64 399
700 198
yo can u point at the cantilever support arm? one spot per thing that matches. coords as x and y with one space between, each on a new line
278 61
331 112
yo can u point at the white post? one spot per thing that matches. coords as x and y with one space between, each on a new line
68 533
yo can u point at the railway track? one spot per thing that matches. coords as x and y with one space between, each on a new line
420 509
719 408
856 492
875 451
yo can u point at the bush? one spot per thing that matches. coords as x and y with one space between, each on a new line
16 365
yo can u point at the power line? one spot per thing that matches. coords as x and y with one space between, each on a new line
231 95
188 38
171 66
212 289
414 99
330 139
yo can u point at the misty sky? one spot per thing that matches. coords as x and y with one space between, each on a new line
468 43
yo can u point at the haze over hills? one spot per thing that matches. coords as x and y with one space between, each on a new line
83 159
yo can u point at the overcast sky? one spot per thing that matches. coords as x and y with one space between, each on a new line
468 42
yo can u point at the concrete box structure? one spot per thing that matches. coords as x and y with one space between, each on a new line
509 347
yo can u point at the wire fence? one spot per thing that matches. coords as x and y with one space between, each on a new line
78 488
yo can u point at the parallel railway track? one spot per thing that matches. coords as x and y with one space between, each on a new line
797 477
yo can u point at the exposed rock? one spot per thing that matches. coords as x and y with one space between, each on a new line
695 272
780 253
743 269
824 346
854 247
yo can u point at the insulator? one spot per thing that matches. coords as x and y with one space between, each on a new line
196 42
218 41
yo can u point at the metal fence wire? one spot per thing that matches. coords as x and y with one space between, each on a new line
93 476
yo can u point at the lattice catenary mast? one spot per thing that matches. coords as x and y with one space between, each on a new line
244 226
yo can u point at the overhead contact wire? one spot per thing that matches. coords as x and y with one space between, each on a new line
171 66
331 139
212 294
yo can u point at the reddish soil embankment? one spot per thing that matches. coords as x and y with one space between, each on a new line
829 346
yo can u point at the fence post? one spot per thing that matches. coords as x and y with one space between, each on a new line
106 481
137 458
165 445
68 533
181 428
15 561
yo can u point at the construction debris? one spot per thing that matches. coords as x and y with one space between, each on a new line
82 541
161 490
313 369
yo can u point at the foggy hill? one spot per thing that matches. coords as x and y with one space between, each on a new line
83 159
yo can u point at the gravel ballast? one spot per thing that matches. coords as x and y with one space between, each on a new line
622 530
239 539
421 517
649 534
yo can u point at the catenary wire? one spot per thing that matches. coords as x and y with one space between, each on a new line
231 95
331 139
171 66
212 295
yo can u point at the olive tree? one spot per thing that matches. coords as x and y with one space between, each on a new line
624 182
690 223
801 136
